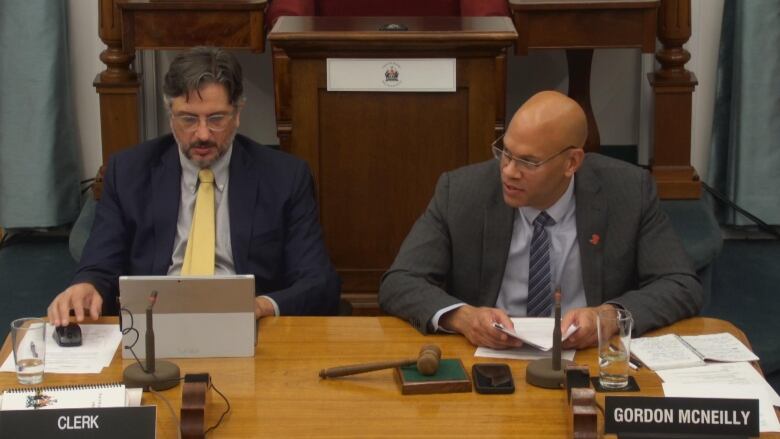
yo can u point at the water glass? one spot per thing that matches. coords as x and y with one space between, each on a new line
28 337
614 331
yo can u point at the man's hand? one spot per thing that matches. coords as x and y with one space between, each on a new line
263 307
585 318
477 325
77 297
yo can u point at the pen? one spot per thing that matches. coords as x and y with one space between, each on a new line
32 349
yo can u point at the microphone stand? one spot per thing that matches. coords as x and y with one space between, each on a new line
158 374
550 372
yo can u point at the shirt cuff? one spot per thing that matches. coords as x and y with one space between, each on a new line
273 302
441 312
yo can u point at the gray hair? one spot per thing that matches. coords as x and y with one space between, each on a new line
199 66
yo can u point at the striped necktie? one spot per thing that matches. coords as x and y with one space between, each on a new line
199 256
539 296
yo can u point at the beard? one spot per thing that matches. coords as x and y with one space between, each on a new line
205 161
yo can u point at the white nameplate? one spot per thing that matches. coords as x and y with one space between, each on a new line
393 75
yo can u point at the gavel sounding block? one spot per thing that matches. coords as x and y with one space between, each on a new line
451 377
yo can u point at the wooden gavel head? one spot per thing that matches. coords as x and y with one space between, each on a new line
428 359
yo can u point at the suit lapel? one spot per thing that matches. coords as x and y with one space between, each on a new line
165 200
242 193
591 228
497 237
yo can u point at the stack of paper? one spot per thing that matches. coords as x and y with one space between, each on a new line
727 380
99 344
536 334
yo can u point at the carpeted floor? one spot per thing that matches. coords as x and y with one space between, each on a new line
746 276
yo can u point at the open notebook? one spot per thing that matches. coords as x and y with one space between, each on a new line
672 351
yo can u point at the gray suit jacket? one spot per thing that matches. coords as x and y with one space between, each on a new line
457 250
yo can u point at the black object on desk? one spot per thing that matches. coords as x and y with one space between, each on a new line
68 336
492 378
631 387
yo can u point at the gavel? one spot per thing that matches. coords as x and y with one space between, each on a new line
427 364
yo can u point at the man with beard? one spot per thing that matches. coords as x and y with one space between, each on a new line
262 216
499 237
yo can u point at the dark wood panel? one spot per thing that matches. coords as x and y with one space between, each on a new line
377 177
118 118
352 36
586 29
178 29
368 28
580 4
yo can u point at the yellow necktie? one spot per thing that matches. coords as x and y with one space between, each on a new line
199 256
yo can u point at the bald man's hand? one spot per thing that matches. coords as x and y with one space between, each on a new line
77 297
476 324
586 335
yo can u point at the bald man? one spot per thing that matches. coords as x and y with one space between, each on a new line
499 237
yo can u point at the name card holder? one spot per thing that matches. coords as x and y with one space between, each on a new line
638 416
86 423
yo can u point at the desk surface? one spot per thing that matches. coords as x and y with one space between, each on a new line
278 393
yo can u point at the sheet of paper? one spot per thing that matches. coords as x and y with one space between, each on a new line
99 344
719 374
766 413
521 353
536 331
720 347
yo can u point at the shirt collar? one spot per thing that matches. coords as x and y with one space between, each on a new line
189 171
557 211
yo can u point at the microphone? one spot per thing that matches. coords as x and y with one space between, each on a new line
158 374
150 366
549 372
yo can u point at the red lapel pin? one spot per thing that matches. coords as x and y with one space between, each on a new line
594 239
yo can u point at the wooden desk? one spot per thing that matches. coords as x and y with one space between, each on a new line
278 393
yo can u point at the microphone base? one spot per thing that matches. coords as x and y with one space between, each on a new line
166 375
540 373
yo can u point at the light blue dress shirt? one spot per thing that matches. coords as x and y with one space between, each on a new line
565 265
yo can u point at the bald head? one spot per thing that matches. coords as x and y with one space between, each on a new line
547 134
552 118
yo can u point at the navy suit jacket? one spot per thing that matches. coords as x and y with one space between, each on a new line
274 228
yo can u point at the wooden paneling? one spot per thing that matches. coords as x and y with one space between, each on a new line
377 177
673 87
584 29
176 29
376 156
